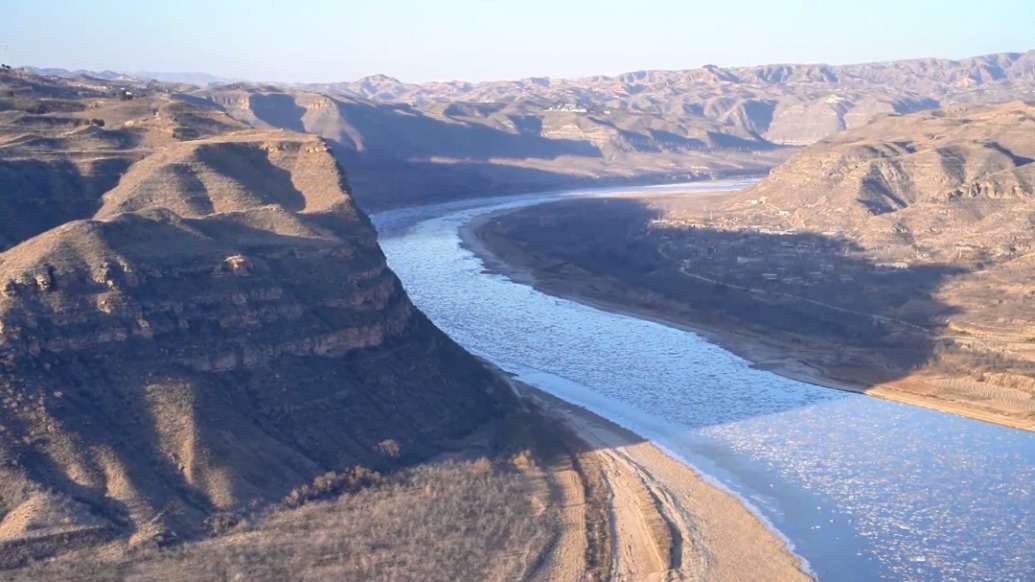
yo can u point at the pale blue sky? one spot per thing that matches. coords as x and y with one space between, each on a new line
327 40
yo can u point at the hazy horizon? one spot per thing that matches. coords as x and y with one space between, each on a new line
444 80
323 41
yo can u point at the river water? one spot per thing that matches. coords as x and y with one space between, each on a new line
863 489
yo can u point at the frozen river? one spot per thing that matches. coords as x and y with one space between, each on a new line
864 489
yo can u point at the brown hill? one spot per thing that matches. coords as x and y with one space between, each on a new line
400 154
407 143
195 318
783 103
947 189
928 181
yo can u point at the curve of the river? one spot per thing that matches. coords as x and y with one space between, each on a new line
863 489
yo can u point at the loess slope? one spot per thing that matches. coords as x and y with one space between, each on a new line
197 328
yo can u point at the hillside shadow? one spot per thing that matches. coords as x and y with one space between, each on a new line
198 101
401 132
36 473
824 304
672 140
736 143
38 195
530 124
278 110
383 184
257 175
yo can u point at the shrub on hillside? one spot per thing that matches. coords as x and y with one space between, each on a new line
333 484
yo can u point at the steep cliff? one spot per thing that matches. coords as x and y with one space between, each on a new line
212 325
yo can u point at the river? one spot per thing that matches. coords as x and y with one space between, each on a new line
863 489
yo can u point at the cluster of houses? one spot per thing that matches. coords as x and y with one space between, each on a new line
570 107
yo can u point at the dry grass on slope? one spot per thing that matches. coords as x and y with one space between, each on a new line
471 515
450 521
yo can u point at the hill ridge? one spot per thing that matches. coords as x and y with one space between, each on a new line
211 327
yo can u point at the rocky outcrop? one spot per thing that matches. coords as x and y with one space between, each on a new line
216 329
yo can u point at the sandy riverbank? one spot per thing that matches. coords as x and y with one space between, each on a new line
761 350
665 522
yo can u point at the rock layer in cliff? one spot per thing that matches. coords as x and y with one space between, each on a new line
195 318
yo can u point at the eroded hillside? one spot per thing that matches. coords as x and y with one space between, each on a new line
793 104
407 143
952 186
399 154
194 318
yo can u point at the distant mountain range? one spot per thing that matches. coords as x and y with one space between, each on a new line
782 104
200 79
785 104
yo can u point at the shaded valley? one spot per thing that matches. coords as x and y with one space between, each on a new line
400 154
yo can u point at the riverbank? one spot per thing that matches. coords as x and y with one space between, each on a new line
661 520
764 351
